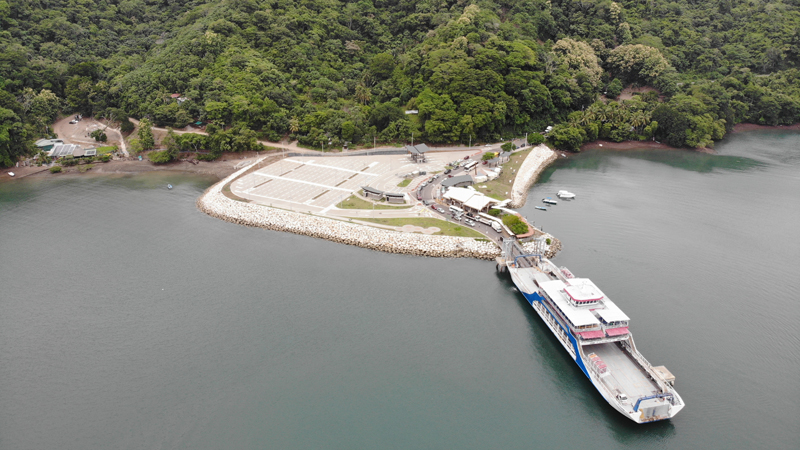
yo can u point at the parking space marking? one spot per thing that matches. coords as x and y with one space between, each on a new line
311 163
303 182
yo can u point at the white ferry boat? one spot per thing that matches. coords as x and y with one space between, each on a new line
594 331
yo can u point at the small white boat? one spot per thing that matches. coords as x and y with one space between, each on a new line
169 186
566 194
549 201
542 208
11 174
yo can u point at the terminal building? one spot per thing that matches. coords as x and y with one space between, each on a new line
469 200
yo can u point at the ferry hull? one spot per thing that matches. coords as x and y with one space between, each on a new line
573 348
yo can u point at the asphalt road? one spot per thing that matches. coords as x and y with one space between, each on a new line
427 196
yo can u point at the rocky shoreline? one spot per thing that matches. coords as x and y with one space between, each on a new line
537 160
214 203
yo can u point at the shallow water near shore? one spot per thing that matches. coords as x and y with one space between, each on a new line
131 320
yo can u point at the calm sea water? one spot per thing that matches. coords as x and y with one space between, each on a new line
130 320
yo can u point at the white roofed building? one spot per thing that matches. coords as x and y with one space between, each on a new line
469 199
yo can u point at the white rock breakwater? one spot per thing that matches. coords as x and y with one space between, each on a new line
539 158
214 203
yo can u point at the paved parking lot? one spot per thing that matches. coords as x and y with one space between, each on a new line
316 184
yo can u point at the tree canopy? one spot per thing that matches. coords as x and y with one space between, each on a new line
335 71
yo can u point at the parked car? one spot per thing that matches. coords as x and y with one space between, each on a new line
448 171
440 209
466 157
485 162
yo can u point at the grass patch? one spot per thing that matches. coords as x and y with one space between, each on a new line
106 149
447 228
497 188
404 183
354 202
85 167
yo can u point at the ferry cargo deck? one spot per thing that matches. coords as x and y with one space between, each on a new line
624 372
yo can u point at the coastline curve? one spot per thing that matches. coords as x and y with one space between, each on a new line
214 203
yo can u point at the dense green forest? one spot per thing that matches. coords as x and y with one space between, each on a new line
345 71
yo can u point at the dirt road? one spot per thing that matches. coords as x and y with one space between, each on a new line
78 133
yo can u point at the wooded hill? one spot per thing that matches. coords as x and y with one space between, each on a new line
341 71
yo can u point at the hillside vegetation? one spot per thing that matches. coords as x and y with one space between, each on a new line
336 71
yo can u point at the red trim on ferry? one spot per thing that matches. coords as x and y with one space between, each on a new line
617 331
592 334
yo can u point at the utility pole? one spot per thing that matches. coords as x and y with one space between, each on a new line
470 141
412 139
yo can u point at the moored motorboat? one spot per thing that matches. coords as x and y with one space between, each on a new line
542 208
11 174
566 194
549 201
169 186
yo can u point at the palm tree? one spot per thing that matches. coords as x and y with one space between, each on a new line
294 125
363 94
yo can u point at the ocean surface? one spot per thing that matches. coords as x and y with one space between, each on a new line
130 320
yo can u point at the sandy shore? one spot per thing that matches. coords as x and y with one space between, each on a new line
625 145
753 127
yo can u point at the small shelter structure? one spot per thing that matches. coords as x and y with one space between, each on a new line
459 181
394 197
371 192
46 145
62 150
417 152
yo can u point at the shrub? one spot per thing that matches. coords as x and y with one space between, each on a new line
55 169
208 156
99 135
507 147
488 155
548 241
517 225
105 158
161 157
494 212
126 126
535 139
86 167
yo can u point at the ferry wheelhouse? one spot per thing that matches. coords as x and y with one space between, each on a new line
594 331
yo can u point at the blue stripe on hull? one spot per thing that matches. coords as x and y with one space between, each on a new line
535 297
